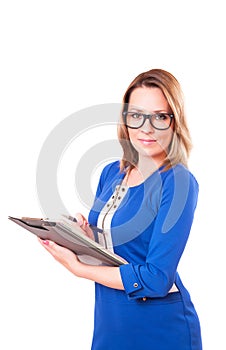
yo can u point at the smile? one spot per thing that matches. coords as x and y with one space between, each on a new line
147 142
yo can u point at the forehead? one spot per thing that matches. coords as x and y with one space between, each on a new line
149 99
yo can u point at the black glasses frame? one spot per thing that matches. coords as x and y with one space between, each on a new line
147 116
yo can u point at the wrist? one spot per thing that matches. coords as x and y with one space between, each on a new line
78 268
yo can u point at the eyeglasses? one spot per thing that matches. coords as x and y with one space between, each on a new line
159 121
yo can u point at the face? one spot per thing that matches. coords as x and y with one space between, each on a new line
148 141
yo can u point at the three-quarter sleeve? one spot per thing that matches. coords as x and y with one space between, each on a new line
171 229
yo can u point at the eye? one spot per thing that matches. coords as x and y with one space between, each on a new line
161 116
135 115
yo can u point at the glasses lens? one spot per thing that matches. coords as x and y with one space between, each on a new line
134 120
161 121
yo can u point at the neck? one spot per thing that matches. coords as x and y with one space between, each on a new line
146 166
141 172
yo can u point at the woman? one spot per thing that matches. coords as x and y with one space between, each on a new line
145 203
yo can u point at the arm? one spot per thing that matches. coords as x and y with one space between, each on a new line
170 231
106 275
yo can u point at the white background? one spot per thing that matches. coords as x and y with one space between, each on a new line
58 57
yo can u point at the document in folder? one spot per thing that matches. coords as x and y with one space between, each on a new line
68 234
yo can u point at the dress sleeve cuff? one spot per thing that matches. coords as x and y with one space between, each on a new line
130 280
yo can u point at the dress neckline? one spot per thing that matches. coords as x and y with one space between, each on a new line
124 179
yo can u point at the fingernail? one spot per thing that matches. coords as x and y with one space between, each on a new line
45 242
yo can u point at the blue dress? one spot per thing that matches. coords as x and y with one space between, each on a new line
149 229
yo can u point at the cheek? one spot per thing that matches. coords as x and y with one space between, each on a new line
132 134
165 138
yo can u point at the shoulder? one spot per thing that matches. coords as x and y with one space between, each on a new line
178 171
111 170
180 177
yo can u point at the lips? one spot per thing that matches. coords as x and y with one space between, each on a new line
147 141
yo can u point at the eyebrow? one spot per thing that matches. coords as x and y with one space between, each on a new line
140 110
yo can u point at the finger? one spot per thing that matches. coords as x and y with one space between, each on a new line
89 231
54 249
42 241
46 243
80 219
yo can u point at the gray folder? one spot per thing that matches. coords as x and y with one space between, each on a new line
69 235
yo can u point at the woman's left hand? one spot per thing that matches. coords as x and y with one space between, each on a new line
109 276
63 255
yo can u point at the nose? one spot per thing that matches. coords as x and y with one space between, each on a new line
147 127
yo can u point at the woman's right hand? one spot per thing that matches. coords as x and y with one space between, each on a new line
83 223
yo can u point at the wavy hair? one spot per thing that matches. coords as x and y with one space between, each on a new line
180 146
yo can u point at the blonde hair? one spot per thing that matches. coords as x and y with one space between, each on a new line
180 146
